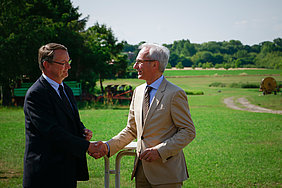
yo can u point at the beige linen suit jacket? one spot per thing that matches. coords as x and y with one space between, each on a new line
168 128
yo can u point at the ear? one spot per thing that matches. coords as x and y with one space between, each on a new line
45 64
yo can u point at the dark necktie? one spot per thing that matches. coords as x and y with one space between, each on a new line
146 102
64 98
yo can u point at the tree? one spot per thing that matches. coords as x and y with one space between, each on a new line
186 62
278 44
267 47
182 48
211 46
105 58
202 57
270 55
25 26
233 53
173 59
269 60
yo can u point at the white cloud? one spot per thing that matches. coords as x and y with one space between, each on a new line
242 22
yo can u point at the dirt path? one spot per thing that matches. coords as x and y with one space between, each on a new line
247 106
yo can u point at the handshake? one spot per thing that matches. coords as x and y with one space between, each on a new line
100 149
95 149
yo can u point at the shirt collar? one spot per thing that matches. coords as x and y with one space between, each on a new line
156 84
54 84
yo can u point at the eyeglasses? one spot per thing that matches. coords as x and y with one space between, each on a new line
65 64
142 61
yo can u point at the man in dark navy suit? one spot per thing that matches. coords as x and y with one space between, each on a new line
56 139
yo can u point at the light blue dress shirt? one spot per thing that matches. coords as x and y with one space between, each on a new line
155 85
55 85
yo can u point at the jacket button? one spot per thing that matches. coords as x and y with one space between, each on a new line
142 137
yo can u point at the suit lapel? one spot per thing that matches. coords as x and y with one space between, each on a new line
155 102
56 97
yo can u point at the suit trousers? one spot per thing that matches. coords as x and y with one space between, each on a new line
72 184
141 180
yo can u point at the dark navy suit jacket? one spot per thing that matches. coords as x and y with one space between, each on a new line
55 150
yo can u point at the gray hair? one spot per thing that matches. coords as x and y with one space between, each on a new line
157 52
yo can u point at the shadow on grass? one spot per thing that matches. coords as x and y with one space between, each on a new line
6 175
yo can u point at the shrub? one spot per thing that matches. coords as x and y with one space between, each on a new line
168 66
249 85
279 84
217 84
179 65
244 85
194 92
235 85
217 66
249 66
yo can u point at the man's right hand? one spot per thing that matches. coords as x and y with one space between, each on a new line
97 149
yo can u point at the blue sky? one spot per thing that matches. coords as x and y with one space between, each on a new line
164 21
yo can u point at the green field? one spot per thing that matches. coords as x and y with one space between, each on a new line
222 72
232 148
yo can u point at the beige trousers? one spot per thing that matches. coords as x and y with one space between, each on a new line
142 182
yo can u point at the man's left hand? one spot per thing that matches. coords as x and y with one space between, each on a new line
150 154
87 134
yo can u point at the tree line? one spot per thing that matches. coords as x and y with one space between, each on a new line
226 54
96 53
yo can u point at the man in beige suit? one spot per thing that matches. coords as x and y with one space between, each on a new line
163 131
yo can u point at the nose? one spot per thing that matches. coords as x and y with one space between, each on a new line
68 66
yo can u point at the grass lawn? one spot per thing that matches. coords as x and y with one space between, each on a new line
218 72
232 148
